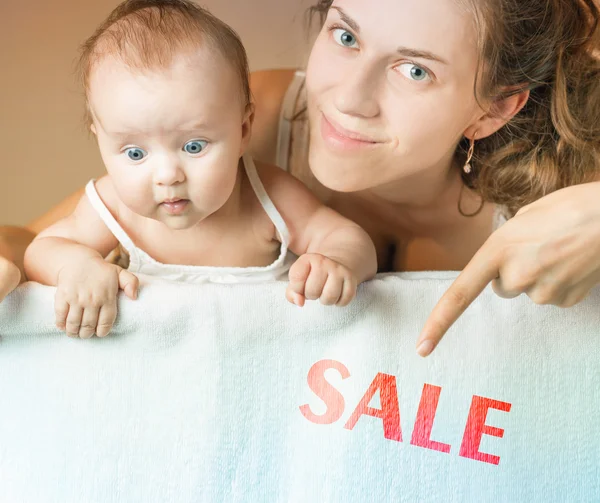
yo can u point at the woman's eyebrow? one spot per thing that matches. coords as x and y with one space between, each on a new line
417 53
347 19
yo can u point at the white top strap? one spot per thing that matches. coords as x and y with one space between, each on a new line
266 202
107 218
286 116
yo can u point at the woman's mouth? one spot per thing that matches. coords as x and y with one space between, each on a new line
339 138
175 206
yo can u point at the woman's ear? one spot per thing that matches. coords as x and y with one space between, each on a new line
247 122
93 128
501 111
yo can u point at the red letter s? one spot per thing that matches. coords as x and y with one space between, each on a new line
332 397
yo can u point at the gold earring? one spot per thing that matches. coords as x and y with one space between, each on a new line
467 167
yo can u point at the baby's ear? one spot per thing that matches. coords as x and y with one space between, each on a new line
249 114
89 119
247 122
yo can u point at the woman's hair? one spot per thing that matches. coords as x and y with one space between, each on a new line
552 49
149 34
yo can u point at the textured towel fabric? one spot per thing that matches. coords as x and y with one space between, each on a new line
219 393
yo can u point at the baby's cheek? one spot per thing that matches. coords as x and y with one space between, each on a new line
214 187
137 196
216 195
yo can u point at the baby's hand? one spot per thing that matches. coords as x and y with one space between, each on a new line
86 296
314 276
10 276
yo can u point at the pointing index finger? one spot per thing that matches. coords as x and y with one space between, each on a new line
469 284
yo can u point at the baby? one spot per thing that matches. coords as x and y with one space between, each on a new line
168 99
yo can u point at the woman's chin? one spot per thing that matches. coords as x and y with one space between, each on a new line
338 175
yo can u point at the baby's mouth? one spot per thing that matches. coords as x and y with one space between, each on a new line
175 206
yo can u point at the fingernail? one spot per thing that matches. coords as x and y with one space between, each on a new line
425 348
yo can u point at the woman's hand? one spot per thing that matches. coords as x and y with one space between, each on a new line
550 251
10 277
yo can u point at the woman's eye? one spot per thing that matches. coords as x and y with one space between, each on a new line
414 72
195 146
344 38
135 153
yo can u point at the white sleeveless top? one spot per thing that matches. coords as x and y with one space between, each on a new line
293 142
142 263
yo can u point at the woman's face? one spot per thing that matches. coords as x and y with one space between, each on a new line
390 91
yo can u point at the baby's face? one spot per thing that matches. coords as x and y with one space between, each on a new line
171 139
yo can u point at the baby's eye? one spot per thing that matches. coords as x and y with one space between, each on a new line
414 72
195 146
345 38
136 153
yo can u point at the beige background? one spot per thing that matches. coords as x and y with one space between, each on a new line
45 151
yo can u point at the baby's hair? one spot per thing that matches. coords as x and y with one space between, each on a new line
149 34
552 49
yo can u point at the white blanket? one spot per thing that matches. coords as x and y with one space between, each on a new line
211 393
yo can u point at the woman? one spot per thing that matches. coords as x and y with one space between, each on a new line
431 119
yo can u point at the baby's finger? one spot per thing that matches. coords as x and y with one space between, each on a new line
294 297
129 283
332 291
106 318
61 311
298 275
89 320
74 320
315 282
348 292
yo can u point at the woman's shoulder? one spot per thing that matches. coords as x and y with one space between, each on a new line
105 190
61 210
268 91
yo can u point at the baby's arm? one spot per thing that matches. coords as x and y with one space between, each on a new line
70 254
335 254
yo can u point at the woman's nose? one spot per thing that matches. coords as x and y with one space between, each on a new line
357 93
